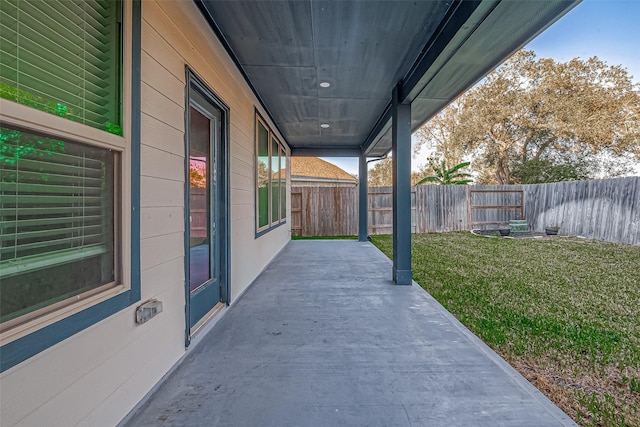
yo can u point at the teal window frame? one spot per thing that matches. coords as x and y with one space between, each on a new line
23 348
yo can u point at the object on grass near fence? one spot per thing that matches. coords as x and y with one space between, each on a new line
551 230
518 226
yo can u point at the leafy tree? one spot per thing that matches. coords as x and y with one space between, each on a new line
535 117
263 174
546 170
444 175
441 133
381 175
197 174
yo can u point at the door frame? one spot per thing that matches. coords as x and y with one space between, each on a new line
195 82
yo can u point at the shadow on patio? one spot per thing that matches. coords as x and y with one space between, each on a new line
324 337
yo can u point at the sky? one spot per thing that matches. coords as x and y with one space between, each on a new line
608 29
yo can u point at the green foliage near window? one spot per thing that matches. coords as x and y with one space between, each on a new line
25 145
30 100
39 103
114 128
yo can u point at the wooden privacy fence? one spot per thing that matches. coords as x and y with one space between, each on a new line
607 209
599 209
324 211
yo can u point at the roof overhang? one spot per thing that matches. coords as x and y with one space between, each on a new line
330 180
432 50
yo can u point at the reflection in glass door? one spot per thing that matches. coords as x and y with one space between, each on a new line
204 207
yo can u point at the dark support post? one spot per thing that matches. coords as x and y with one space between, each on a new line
363 204
401 147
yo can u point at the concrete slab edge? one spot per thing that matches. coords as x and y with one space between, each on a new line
554 410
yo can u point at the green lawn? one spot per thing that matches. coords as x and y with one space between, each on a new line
564 312
324 237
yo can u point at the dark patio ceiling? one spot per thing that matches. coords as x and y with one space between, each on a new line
437 49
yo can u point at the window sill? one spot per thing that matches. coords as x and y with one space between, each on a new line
264 231
22 349
39 121
40 322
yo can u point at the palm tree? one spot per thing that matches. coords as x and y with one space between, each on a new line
447 176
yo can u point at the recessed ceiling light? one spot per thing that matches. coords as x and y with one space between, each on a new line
325 84
325 125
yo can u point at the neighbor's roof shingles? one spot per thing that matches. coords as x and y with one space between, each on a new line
313 167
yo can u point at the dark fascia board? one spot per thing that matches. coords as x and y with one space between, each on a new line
457 15
327 151
379 155
563 7
227 47
455 18
382 123
413 84
297 178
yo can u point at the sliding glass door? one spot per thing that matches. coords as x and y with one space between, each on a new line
203 147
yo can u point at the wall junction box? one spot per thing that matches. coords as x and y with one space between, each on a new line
148 310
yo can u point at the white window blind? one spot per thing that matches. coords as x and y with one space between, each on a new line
56 202
58 222
63 57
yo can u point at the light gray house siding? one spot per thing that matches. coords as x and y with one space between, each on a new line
96 376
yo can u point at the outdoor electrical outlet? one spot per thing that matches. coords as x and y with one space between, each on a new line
148 310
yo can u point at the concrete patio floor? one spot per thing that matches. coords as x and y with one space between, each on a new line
324 338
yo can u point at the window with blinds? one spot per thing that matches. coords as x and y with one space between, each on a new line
63 57
58 218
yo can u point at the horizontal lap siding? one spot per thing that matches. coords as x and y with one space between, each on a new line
95 377
106 376
66 383
175 40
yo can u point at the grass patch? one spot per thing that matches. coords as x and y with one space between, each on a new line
564 312
324 237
